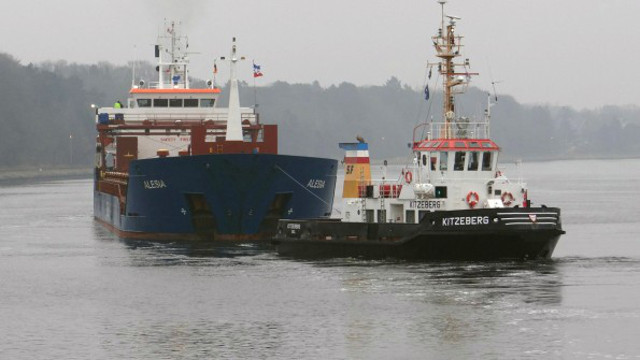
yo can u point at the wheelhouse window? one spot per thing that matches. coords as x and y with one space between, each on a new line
473 161
207 102
424 159
443 160
144 102
434 160
175 102
190 102
441 192
160 102
486 161
458 165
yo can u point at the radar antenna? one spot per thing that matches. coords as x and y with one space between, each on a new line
448 46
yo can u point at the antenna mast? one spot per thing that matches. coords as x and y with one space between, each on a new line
175 47
448 46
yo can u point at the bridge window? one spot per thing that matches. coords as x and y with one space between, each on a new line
190 102
434 160
175 102
206 102
160 102
458 165
486 161
424 159
144 102
443 160
473 161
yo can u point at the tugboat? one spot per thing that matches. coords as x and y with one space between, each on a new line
452 203
172 164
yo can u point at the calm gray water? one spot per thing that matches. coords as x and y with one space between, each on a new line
70 290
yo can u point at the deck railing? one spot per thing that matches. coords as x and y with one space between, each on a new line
460 129
135 116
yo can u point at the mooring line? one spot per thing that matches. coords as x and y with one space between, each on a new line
304 187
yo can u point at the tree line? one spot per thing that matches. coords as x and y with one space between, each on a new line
46 117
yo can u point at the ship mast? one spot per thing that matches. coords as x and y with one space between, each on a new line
234 121
448 46
176 66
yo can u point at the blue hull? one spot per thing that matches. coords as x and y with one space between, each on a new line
218 196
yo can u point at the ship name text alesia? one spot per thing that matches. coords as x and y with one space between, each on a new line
316 184
154 184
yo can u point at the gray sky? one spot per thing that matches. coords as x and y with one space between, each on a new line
579 53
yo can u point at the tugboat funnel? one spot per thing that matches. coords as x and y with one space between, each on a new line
357 170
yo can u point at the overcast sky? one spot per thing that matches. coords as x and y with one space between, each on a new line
580 53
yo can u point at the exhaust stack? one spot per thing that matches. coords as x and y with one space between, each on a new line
357 169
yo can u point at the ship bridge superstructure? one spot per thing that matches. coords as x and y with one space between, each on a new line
167 117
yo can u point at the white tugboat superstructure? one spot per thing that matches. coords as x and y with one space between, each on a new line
455 163
452 203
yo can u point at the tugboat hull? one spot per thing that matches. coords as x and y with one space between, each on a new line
483 234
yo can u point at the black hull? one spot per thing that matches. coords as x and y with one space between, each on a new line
485 234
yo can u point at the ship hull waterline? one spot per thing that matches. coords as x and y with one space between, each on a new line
487 234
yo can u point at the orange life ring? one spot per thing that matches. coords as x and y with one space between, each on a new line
408 177
472 199
507 198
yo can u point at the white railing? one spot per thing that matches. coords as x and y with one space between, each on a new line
137 116
461 129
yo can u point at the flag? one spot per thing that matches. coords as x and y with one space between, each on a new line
256 70
215 68
426 92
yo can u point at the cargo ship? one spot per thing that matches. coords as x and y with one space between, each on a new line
171 164
452 202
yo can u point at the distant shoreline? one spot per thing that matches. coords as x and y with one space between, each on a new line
13 176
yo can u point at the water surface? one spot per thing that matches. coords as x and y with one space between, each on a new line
69 289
